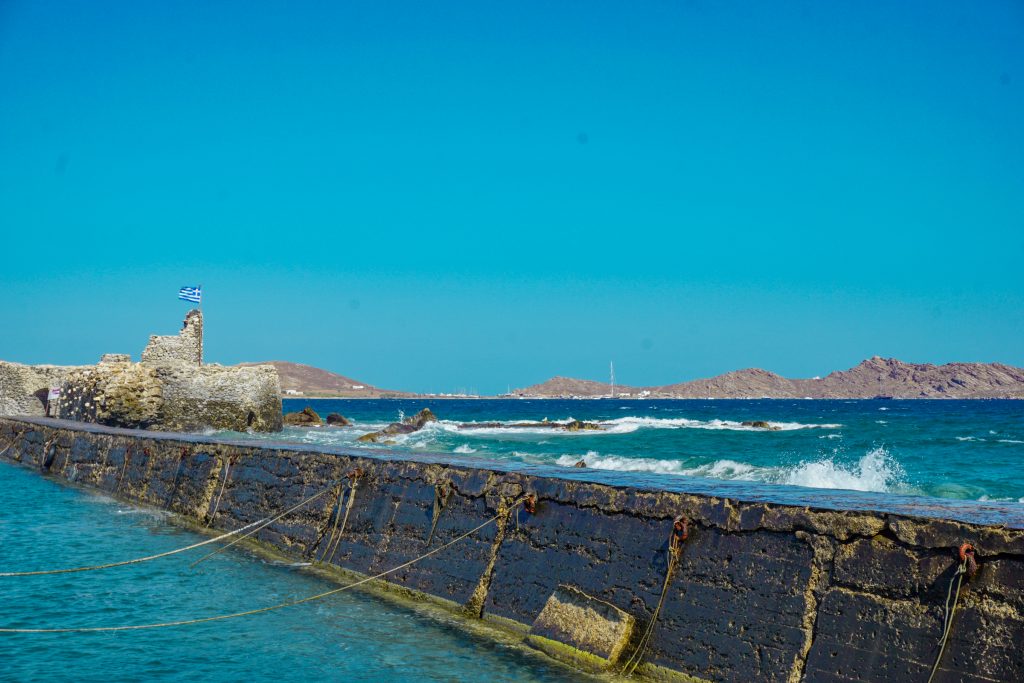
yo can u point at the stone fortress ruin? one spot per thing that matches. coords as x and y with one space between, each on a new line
170 389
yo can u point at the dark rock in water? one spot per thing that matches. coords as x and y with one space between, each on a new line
406 426
580 426
306 418
421 418
338 420
761 424
580 463
573 426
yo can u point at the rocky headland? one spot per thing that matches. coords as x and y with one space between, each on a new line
307 381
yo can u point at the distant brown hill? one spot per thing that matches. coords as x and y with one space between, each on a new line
312 381
876 376
567 386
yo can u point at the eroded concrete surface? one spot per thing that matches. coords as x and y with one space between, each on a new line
763 591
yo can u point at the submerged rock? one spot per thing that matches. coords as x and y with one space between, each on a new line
307 417
406 426
581 426
338 420
761 424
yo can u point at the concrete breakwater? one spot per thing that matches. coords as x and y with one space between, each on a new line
761 590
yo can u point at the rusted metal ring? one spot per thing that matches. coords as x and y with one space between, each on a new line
530 503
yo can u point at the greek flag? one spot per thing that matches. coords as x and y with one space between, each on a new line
193 294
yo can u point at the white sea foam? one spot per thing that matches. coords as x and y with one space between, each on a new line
143 511
881 422
1007 499
968 438
627 425
831 436
465 448
630 424
876 470
620 464
1010 441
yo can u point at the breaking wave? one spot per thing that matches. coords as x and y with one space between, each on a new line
629 424
876 470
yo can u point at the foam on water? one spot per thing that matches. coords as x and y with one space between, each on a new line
627 425
876 470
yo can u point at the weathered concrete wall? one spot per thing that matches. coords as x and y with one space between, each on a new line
763 592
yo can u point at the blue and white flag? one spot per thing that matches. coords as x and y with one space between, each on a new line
193 294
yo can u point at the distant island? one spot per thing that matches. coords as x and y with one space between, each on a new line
873 378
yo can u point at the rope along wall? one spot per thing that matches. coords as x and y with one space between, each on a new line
259 524
270 608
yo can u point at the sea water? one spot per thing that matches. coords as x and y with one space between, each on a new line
350 636
967 450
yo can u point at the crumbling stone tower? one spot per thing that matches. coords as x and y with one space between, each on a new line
171 389
186 347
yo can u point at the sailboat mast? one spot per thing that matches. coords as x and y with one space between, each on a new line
611 366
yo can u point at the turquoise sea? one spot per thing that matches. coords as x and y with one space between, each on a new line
967 450
350 636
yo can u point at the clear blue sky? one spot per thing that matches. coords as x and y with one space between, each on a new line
440 195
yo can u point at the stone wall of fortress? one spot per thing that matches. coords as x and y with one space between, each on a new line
184 348
169 389
763 591
23 388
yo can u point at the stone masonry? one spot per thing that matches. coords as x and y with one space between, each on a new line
23 388
184 348
170 389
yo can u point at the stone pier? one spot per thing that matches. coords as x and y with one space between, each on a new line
772 584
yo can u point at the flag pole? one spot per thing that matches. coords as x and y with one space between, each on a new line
201 325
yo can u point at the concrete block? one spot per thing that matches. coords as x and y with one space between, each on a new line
579 628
